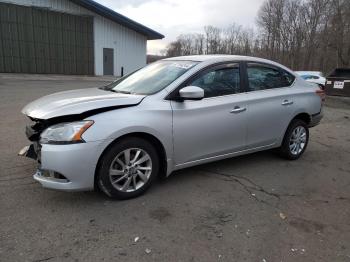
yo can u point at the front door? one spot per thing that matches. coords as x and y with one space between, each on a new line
108 61
215 125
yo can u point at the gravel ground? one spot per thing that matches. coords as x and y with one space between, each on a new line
251 208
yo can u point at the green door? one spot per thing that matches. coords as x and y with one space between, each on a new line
37 40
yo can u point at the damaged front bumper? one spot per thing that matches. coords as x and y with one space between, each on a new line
30 151
51 179
68 167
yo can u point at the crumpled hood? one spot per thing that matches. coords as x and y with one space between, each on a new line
77 102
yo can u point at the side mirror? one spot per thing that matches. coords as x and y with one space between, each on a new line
191 93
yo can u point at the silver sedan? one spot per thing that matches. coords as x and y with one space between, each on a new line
174 113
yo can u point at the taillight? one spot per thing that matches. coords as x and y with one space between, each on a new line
322 94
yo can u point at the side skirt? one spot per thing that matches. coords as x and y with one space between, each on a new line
224 156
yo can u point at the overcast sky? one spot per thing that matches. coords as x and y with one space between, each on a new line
174 17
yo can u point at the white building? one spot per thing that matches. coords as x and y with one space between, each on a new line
70 37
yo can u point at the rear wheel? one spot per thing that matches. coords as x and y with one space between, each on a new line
295 140
128 168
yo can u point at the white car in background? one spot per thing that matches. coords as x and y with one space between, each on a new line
313 76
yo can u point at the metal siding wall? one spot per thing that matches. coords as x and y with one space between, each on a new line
129 46
37 40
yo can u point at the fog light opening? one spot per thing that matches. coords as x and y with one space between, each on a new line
50 174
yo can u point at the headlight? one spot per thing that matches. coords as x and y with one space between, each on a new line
65 133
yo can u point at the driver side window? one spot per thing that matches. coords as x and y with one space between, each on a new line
219 82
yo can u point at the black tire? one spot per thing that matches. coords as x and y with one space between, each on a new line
285 150
104 181
321 86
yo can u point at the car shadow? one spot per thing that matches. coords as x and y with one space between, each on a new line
187 175
238 162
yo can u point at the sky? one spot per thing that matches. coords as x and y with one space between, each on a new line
174 17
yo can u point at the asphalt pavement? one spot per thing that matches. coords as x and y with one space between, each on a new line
257 207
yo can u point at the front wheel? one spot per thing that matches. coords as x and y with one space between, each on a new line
128 168
295 140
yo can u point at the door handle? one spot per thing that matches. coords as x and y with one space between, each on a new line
238 109
287 103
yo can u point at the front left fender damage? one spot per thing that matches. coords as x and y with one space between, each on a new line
34 130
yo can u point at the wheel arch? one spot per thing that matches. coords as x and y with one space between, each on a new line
146 136
302 116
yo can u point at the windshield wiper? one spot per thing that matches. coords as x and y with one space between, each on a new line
120 91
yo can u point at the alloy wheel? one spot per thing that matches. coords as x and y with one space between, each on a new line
297 140
130 170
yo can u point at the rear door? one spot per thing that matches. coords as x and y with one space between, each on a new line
270 103
215 125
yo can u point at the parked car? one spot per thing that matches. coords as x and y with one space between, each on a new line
313 76
174 113
338 82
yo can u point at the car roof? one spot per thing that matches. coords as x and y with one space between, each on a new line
312 73
222 58
202 58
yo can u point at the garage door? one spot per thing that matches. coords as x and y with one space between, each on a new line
36 40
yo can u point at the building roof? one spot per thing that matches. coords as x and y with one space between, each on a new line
118 18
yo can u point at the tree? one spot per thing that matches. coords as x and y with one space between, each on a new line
301 34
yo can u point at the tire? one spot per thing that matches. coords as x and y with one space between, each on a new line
119 173
286 149
321 86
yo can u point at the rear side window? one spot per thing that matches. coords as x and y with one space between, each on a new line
261 77
219 82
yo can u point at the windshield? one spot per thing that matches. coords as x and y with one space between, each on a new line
152 78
